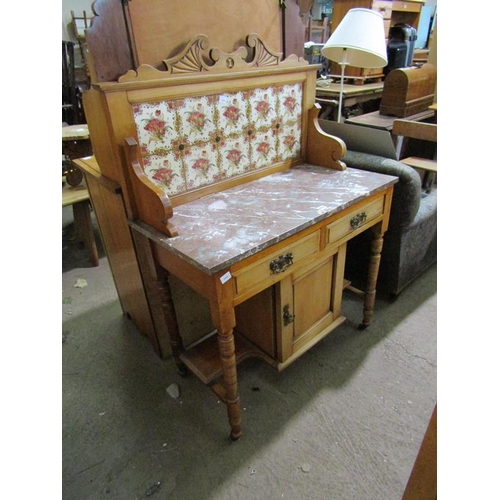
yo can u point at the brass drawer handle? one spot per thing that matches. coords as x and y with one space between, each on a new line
358 220
282 263
287 316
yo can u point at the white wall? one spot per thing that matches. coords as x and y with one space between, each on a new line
77 6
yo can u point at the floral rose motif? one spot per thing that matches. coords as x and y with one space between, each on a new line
202 164
164 176
290 104
234 156
289 141
262 108
156 126
263 149
197 120
232 113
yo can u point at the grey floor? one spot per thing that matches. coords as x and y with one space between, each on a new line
343 422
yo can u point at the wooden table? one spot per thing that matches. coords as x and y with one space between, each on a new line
327 95
78 197
75 132
385 122
269 256
75 144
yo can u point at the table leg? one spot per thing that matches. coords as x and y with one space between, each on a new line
371 283
85 230
167 304
229 375
224 319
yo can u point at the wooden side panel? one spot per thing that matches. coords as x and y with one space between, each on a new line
99 123
110 214
110 123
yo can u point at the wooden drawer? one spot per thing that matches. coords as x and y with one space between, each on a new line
353 221
383 7
273 266
406 6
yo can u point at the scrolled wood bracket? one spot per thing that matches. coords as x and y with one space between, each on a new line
323 149
190 60
151 204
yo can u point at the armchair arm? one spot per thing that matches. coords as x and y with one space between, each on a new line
407 192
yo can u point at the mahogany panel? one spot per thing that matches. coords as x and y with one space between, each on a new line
162 29
293 30
109 49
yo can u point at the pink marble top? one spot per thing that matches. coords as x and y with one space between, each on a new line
223 228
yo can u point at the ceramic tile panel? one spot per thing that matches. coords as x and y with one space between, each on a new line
193 142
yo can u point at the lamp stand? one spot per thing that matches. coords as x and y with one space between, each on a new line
343 64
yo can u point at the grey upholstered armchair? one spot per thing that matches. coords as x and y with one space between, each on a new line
410 244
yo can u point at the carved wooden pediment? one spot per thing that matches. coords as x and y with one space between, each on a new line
198 57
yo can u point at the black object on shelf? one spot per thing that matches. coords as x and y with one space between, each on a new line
400 47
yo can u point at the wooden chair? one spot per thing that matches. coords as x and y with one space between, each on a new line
417 130
80 24
317 32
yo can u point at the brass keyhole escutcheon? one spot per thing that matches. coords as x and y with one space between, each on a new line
287 316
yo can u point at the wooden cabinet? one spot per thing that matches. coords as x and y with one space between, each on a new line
393 12
283 321
302 322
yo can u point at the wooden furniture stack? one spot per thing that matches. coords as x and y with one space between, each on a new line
218 169
393 12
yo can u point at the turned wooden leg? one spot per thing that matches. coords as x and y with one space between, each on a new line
167 304
224 319
229 375
371 283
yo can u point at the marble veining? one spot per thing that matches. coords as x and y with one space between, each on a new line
223 228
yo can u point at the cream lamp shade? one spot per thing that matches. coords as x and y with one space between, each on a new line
359 40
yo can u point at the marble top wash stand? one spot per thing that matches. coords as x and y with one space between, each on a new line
229 184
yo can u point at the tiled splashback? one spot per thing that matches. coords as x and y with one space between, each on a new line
192 142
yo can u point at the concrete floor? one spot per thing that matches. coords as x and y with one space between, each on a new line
343 422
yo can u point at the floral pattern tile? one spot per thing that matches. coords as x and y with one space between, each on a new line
232 113
289 143
192 142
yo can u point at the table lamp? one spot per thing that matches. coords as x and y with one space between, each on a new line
359 40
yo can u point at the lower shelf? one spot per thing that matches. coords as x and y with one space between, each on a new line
203 358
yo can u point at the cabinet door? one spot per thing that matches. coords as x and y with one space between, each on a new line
308 305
